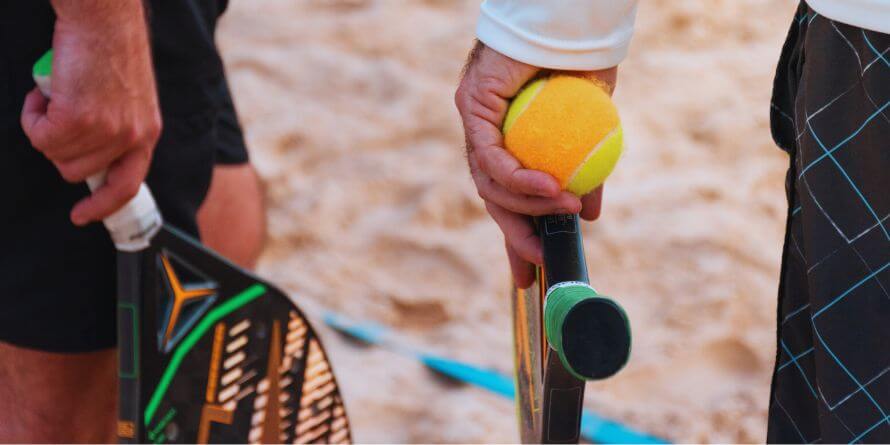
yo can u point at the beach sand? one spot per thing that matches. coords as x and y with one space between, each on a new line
348 111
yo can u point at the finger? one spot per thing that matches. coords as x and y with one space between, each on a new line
78 168
33 119
124 178
482 105
489 190
523 271
519 233
486 143
592 204
57 142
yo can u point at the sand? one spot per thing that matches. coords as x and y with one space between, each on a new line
348 110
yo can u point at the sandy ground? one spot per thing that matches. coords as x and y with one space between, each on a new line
348 110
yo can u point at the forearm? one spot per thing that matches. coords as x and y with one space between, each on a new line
559 34
99 12
111 33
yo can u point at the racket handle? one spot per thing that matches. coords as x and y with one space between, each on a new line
133 225
589 332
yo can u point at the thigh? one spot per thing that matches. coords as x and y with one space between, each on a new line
232 220
61 398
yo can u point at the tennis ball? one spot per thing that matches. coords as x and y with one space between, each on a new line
567 127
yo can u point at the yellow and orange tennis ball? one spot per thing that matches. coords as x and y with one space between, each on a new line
568 127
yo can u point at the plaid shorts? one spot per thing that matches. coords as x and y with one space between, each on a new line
831 113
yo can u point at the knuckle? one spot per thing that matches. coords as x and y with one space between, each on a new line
84 121
70 172
491 84
153 129
459 95
482 163
131 136
509 181
483 191
104 127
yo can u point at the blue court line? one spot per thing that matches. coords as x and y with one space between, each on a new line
851 289
593 427
850 180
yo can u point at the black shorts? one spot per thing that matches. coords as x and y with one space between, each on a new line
58 281
831 112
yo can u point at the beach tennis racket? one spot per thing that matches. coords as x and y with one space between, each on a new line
209 353
565 333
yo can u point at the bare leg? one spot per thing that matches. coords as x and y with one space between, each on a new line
72 398
57 398
232 220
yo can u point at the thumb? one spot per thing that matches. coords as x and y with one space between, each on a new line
592 204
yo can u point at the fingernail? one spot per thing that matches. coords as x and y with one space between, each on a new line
78 219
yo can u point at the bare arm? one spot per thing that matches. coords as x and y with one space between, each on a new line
104 111
519 39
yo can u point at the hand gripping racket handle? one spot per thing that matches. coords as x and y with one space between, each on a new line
589 332
133 225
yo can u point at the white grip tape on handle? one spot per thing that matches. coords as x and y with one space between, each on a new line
133 225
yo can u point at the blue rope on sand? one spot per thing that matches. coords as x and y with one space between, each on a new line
594 428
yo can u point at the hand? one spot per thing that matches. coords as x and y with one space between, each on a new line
104 111
512 193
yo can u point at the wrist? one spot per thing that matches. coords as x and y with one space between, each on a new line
605 78
92 14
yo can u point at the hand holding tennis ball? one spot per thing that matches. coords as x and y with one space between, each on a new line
511 191
567 127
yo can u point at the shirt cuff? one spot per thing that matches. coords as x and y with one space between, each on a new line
550 53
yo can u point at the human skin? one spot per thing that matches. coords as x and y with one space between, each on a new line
512 193
104 111
232 219
72 398
104 115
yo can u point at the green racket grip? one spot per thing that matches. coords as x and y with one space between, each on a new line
589 332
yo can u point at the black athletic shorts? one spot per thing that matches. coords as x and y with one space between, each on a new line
57 281
831 112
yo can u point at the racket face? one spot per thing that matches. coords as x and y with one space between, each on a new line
211 354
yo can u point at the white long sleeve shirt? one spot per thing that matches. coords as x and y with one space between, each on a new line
595 34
